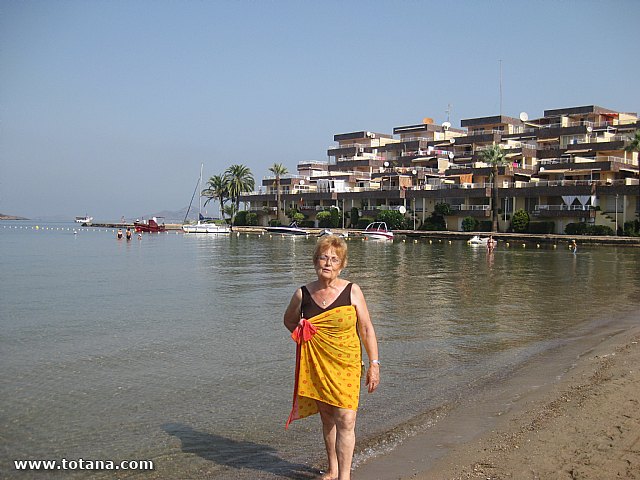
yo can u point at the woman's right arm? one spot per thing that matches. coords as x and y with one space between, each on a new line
292 313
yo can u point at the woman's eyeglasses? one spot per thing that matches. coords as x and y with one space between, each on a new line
333 260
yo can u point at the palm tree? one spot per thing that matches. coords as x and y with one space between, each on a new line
216 189
239 180
278 170
495 157
634 145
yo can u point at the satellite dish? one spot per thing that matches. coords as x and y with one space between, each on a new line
589 129
524 116
446 125
402 209
452 141
301 182
451 155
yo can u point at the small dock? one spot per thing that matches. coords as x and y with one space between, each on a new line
124 226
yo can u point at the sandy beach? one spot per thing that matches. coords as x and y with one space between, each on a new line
573 413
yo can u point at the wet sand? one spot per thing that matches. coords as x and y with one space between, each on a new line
571 413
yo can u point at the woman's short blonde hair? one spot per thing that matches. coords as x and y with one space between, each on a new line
335 242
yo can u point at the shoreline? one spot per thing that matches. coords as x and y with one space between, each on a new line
572 409
531 239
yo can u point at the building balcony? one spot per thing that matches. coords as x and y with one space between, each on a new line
577 211
481 211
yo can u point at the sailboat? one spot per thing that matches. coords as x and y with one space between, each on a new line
203 226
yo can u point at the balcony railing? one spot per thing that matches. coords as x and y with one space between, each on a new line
449 185
568 208
473 208
584 161
349 145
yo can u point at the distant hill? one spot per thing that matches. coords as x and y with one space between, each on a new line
11 217
177 216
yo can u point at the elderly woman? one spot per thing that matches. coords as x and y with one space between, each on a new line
328 318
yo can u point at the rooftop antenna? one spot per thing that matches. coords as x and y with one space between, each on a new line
448 112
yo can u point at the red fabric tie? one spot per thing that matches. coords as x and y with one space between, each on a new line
304 331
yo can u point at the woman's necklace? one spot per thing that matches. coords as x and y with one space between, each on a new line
324 300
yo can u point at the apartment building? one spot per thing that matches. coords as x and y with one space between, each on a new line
570 165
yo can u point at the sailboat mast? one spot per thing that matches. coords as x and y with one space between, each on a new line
200 194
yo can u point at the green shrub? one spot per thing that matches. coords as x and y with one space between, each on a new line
307 224
393 218
324 219
252 219
434 222
442 209
274 223
336 218
520 221
363 222
241 218
600 230
470 224
355 217
579 228
631 228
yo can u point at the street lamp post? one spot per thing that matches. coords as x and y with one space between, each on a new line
386 170
415 173
616 214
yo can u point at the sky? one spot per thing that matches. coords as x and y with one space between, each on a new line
108 108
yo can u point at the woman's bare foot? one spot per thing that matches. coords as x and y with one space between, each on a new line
328 476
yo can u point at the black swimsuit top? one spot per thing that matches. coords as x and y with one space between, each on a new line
310 308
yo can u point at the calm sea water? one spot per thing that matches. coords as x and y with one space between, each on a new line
171 348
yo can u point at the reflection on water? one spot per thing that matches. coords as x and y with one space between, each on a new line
172 348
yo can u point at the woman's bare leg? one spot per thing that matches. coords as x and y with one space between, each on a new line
338 427
329 435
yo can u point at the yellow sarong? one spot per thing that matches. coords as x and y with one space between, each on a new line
328 362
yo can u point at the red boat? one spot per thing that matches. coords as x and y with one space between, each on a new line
150 226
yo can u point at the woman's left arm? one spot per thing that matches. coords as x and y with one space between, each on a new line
368 336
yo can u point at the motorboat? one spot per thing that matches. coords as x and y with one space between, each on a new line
477 240
204 225
207 227
378 231
327 231
86 220
292 229
149 226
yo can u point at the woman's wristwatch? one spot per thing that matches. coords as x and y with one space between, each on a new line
375 362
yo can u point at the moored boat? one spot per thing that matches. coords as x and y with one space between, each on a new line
149 226
86 220
207 227
204 225
292 229
378 231
328 231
